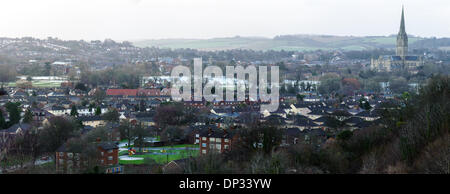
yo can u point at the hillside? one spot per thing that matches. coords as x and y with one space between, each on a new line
285 42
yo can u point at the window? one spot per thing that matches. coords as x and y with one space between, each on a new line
70 155
197 135
212 139
102 153
204 138
61 154
204 145
110 151
226 147
226 140
196 141
203 151
218 140
218 146
110 158
211 146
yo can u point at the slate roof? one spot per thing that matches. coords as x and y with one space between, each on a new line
305 123
57 108
108 145
365 124
371 113
321 119
411 58
317 111
13 129
275 119
354 120
217 133
341 112
90 118
20 93
407 58
292 131
61 148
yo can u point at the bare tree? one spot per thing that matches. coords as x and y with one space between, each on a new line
7 74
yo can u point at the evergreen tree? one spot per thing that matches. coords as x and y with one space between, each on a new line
300 97
302 86
367 106
14 112
47 69
2 121
98 111
2 91
364 104
74 111
283 89
91 106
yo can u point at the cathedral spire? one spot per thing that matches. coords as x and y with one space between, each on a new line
402 23
402 38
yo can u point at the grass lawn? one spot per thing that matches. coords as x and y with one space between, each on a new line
180 146
48 165
125 162
162 159
39 84
174 146
124 152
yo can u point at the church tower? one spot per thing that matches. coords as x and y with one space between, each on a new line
402 39
401 61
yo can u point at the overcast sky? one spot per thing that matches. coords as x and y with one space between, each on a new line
155 19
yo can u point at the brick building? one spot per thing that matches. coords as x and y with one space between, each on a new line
216 140
69 160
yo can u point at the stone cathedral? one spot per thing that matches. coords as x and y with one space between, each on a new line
401 61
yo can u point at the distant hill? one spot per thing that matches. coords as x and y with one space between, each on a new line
294 43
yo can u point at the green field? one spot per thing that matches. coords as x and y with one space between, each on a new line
297 48
39 84
162 159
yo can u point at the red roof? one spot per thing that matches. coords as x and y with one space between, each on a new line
121 92
133 92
